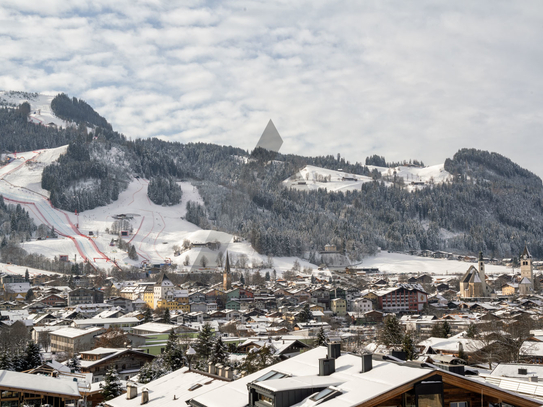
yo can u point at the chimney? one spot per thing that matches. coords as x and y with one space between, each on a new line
334 350
367 363
211 368
399 354
227 373
327 366
131 391
219 369
144 395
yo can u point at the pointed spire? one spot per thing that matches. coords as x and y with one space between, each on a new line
526 252
227 265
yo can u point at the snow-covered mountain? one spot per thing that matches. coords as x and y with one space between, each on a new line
155 231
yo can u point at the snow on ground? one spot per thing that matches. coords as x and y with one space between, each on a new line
13 269
40 106
156 230
29 175
404 263
312 178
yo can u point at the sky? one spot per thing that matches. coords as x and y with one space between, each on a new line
402 79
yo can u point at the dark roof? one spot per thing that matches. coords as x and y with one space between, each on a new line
227 265
526 252
162 277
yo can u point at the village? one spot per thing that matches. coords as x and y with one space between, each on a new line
485 328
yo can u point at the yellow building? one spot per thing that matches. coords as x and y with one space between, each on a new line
509 289
173 305
149 296
338 306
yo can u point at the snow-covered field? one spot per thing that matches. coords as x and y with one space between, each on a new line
404 263
21 270
312 178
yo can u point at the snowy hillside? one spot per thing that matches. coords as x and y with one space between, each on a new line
312 178
155 231
40 105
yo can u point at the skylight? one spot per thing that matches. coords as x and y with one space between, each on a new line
271 375
327 394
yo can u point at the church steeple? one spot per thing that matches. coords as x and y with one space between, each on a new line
227 276
482 274
526 268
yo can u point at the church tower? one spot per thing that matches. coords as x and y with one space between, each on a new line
482 275
526 269
226 275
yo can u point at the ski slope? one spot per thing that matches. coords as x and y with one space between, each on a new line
312 178
155 229
38 204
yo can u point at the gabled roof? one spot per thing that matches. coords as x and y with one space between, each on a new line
38 384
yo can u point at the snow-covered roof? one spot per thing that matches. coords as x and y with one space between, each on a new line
75 332
38 384
156 327
356 387
172 390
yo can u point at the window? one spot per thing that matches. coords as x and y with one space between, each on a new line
194 387
459 404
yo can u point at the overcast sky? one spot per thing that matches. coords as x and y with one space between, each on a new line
403 79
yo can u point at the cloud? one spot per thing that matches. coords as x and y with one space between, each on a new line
400 79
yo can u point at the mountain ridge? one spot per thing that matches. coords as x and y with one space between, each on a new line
488 204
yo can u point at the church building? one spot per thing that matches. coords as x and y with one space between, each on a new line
473 282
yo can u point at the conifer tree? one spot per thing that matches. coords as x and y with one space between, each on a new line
6 361
74 364
27 276
408 346
204 343
147 315
471 332
305 314
219 353
321 338
173 353
446 329
32 356
153 370
112 385
166 316
391 333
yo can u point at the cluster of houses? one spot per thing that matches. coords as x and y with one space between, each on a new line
79 320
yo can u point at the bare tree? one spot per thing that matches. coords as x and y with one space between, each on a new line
203 261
